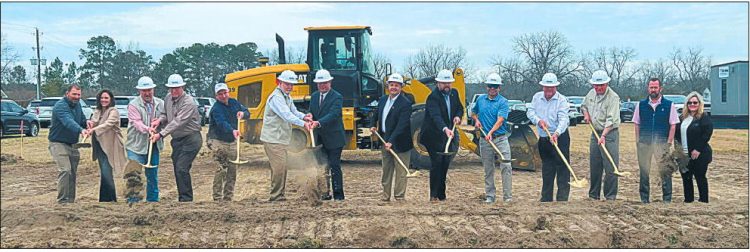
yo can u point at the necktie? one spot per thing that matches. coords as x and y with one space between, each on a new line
320 103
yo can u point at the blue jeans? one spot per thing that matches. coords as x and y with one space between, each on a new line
152 180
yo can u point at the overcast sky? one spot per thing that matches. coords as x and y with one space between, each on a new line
399 29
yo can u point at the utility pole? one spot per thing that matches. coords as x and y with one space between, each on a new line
38 65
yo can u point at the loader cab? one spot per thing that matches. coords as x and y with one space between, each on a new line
345 52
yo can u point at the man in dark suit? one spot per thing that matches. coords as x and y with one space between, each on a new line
393 123
443 110
325 107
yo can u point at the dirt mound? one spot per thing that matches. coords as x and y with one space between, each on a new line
8 158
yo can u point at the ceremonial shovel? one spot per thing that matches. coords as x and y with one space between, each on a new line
618 173
82 144
502 158
448 143
408 174
150 151
238 161
575 183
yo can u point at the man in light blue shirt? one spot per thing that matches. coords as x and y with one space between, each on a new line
549 109
490 111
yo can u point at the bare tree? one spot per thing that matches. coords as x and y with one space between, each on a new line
661 69
617 62
380 61
9 56
294 55
691 68
430 60
410 68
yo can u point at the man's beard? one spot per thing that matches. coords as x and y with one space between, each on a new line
446 91
653 95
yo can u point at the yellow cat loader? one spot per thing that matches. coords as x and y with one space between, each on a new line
345 52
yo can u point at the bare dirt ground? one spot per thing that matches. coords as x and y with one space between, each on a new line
31 219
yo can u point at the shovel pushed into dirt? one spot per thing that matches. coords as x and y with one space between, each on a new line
575 183
502 158
82 144
150 151
448 144
238 161
314 148
408 174
618 173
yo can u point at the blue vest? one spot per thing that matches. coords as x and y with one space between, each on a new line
654 126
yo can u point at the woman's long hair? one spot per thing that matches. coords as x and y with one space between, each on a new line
686 110
99 99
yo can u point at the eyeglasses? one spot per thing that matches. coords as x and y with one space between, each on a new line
693 103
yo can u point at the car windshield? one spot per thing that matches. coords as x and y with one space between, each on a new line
121 101
677 99
49 102
204 102
91 101
514 102
35 103
575 100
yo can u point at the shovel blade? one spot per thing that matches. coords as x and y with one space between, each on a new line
238 162
582 183
446 153
81 145
622 174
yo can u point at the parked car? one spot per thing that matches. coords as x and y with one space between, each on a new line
678 100
205 104
201 111
45 110
33 107
626 111
576 115
470 107
11 117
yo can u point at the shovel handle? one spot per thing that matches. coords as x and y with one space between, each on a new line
312 137
493 145
394 154
448 143
557 148
604 147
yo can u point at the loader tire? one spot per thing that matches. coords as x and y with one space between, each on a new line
420 159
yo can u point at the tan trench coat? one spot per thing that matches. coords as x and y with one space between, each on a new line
108 134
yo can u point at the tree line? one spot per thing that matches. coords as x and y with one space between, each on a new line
108 65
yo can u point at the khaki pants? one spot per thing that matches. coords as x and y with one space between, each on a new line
66 157
277 157
226 173
391 166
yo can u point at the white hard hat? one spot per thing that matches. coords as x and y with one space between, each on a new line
549 80
445 76
145 83
322 76
220 86
494 79
396 78
288 76
599 77
175 80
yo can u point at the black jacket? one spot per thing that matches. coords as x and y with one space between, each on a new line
436 118
331 131
698 134
398 123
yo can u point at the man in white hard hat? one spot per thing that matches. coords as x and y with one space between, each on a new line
278 117
181 120
142 111
601 108
393 123
325 107
222 134
549 109
489 115
443 110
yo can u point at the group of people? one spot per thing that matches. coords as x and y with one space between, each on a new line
657 125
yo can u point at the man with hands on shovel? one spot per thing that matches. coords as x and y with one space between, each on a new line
68 122
276 134
490 111
325 107
142 111
222 132
549 112
601 109
394 124
443 111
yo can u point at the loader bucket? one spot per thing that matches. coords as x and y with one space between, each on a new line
523 148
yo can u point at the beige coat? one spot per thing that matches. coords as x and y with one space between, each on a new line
109 136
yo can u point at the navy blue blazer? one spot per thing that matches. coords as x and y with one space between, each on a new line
397 123
331 131
436 117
